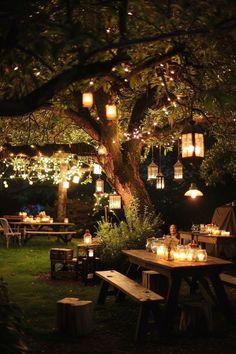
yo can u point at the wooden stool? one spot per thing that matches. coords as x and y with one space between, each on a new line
75 316
155 281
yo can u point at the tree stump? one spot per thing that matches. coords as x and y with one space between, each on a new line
155 281
74 316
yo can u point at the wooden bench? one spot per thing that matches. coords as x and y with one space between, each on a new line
65 236
148 300
228 279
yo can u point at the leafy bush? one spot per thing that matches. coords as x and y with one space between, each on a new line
131 233
10 325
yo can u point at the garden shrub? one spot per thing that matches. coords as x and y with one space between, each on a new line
131 233
11 332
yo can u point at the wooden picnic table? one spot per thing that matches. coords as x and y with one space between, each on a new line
221 245
176 272
59 229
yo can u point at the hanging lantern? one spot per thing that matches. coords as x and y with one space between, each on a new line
97 169
66 184
76 179
178 170
102 150
87 99
99 185
114 201
192 141
152 171
111 111
193 191
160 180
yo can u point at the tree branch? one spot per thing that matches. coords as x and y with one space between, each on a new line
43 94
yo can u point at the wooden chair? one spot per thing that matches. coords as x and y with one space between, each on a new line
8 233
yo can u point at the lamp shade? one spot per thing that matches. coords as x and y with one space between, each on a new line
87 99
192 141
178 170
114 201
111 111
193 191
152 171
99 185
160 180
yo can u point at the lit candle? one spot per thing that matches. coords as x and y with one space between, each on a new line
160 251
66 220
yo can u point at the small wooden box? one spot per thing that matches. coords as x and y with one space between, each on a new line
61 254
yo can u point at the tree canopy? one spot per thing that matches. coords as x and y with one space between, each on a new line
161 62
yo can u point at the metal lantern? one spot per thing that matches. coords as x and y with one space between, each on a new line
114 201
160 180
152 171
97 169
111 111
99 185
193 191
192 141
87 99
178 170
102 150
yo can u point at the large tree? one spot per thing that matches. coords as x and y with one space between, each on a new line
161 62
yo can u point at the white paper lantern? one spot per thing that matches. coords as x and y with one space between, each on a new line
87 99
97 169
111 111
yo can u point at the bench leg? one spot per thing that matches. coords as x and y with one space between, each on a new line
142 322
103 293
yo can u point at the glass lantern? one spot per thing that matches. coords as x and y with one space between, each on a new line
152 171
201 255
160 180
178 170
99 185
192 141
114 201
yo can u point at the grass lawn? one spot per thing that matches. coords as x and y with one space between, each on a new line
26 271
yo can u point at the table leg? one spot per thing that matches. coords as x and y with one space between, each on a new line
171 305
221 296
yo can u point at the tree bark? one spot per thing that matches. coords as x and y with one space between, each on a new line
62 197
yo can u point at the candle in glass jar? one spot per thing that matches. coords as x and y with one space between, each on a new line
160 250
66 220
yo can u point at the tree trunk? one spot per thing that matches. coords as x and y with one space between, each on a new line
122 171
62 197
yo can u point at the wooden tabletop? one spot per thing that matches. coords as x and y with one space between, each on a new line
149 258
40 223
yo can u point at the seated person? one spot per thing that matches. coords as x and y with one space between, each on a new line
174 231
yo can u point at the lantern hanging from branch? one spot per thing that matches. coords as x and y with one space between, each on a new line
152 171
111 111
99 185
97 169
160 180
178 170
87 99
193 191
114 201
76 179
192 141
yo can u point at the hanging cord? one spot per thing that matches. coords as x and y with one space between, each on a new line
160 156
